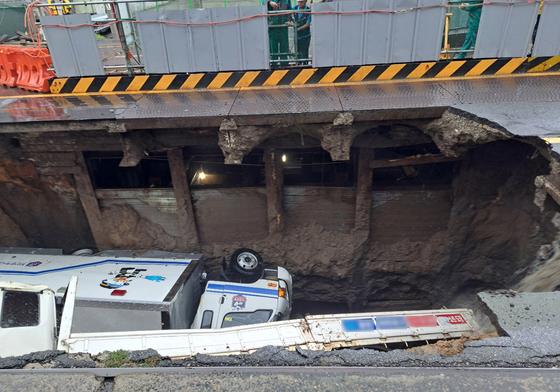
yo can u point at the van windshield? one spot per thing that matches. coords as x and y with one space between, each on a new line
235 319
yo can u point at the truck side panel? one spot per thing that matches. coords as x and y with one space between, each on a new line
185 303
107 319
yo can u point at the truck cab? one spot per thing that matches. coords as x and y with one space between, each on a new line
27 318
230 304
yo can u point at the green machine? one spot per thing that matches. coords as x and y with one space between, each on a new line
11 17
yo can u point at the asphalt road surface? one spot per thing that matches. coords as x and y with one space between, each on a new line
282 379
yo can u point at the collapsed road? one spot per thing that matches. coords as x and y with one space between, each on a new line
407 203
529 324
383 182
415 208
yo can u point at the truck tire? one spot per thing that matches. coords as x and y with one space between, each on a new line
83 252
246 262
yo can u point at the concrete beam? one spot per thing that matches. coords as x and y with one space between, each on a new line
547 185
133 150
236 142
337 138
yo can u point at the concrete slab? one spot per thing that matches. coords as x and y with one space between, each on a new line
515 313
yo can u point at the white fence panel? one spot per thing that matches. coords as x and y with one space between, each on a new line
204 40
506 28
357 32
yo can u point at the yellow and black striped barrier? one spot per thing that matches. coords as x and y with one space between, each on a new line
307 76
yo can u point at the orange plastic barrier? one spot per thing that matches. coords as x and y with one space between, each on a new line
29 65
31 68
8 74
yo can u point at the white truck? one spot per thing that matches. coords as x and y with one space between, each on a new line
135 294
124 303
32 327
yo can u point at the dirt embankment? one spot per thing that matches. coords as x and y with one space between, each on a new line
493 230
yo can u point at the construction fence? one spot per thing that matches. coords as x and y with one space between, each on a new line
134 36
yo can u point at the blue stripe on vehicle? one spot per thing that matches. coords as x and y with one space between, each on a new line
234 288
242 293
358 325
108 261
391 322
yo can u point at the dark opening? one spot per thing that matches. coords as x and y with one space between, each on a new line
314 167
151 172
19 309
431 175
15 143
208 170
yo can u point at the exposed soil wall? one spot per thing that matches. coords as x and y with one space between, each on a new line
40 211
429 248
426 246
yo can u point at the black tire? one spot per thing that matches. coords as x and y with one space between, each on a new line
246 262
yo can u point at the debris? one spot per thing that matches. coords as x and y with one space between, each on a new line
442 347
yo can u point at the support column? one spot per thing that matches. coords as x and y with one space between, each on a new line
90 204
185 211
274 188
363 190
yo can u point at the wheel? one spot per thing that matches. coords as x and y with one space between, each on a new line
246 262
83 252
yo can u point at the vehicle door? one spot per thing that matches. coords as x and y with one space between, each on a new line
27 322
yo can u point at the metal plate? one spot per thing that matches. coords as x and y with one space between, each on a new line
73 50
181 105
207 43
547 42
410 33
286 101
506 28
527 105
506 90
394 96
